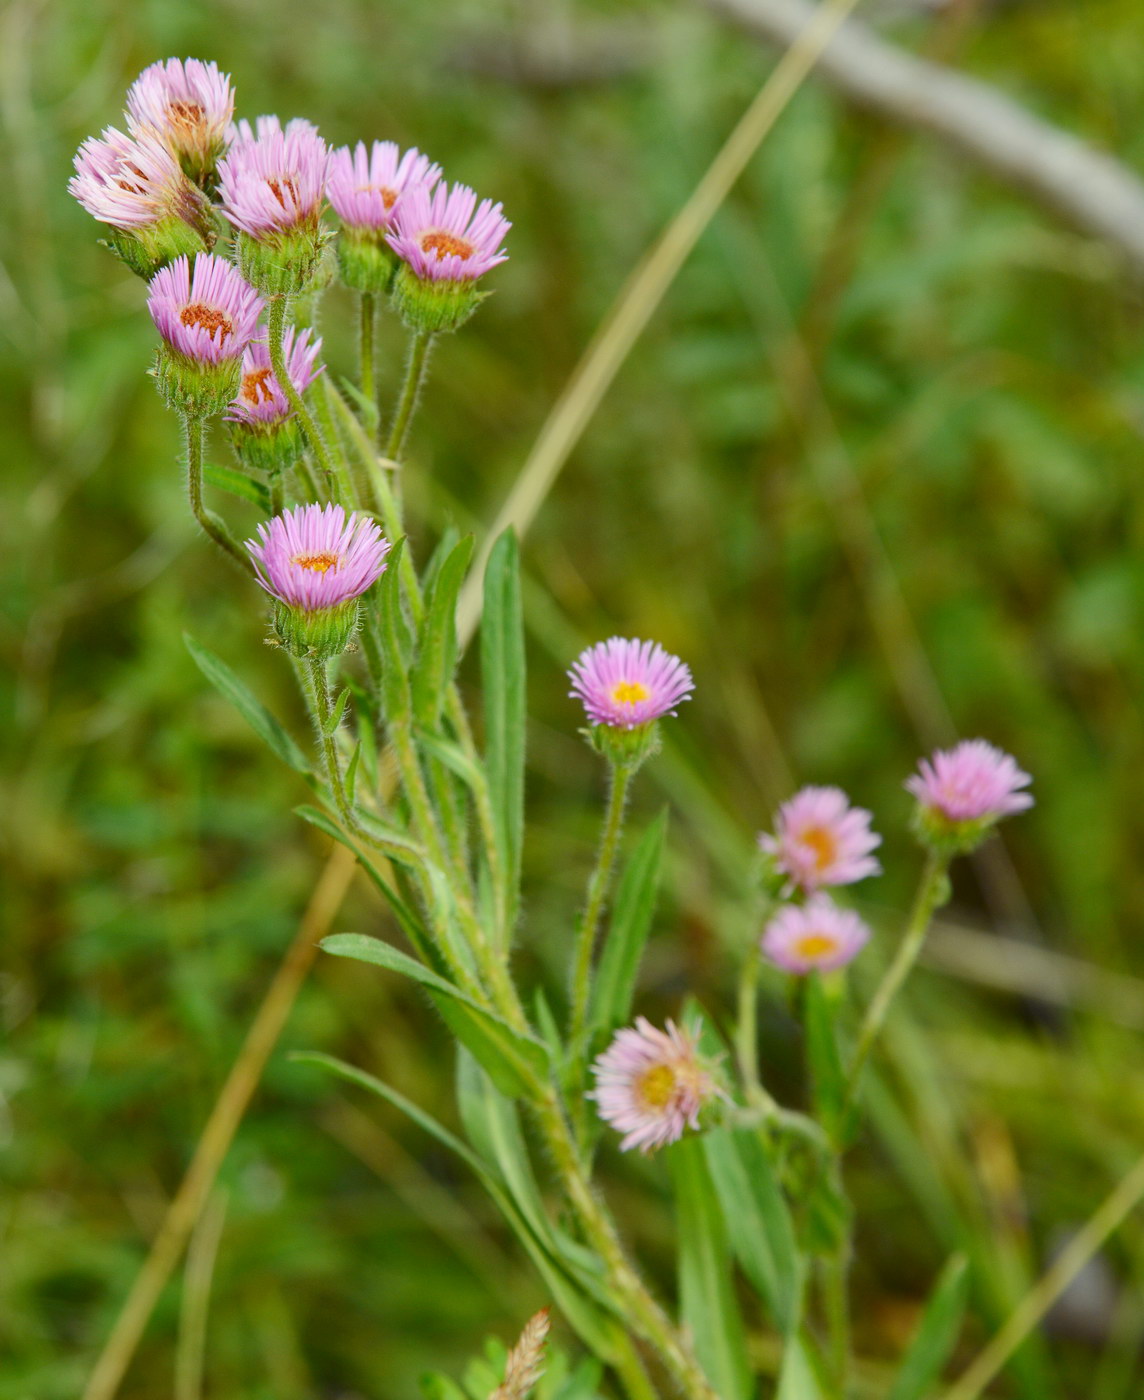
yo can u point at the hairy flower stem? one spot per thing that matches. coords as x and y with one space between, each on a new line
933 891
598 885
645 1315
275 329
366 326
416 366
195 429
318 691
277 494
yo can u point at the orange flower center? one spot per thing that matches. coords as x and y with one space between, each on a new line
656 1086
316 563
443 244
285 183
212 321
822 843
629 692
388 196
816 945
255 384
185 114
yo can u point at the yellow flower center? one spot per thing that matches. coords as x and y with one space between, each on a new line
816 946
629 692
443 244
316 563
822 843
187 115
656 1086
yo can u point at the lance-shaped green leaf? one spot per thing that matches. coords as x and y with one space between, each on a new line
799 1378
827 1075
936 1336
396 640
707 1298
514 1061
437 649
762 1233
503 677
615 982
249 707
237 483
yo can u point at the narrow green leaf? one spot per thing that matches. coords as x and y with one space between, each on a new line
249 707
936 1336
503 676
437 648
513 1061
396 639
394 843
598 1330
707 1299
366 407
798 1379
436 1386
332 724
762 1234
627 934
350 779
453 757
826 1072
237 483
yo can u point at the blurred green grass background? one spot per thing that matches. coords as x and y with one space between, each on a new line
874 471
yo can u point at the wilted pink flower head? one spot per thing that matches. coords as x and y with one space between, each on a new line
815 936
821 840
651 1085
440 237
209 314
625 683
314 557
366 184
273 180
130 183
260 401
187 105
973 782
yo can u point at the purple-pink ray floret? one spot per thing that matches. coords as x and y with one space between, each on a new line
187 104
651 1084
625 682
443 236
127 182
815 936
315 557
209 313
974 781
820 839
366 184
260 401
273 180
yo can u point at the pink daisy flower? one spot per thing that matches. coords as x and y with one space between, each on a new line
315 557
273 180
973 782
443 236
208 314
132 183
627 683
366 184
651 1085
260 402
815 936
821 840
188 106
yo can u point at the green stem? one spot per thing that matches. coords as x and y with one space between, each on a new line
368 309
277 494
747 1032
415 367
210 522
275 329
319 691
837 1300
598 885
933 891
